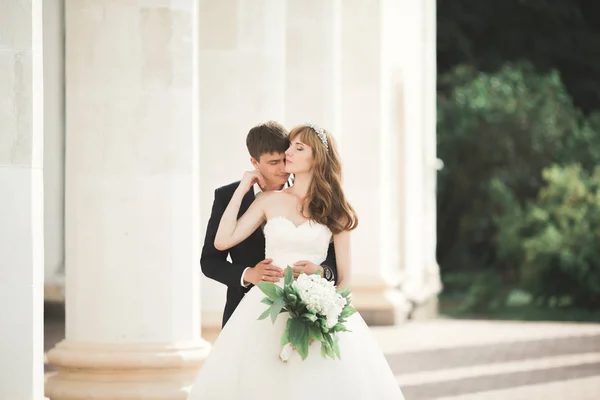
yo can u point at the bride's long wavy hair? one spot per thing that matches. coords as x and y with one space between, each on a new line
327 203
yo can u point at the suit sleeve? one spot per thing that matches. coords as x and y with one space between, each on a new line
214 262
331 262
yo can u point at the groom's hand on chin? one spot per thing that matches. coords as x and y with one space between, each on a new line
250 178
307 267
264 271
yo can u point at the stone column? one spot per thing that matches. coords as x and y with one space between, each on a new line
54 150
242 56
384 125
420 279
312 80
132 203
21 201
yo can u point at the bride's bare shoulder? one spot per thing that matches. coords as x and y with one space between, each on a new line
281 194
274 196
276 201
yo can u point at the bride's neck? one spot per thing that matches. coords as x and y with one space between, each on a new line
301 185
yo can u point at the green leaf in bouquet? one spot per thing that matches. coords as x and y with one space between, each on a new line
344 292
309 316
336 348
329 339
292 297
303 346
276 308
267 301
347 311
324 353
315 333
292 290
294 302
326 350
279 291
270 289
299 338
265 314
289 276
285 336
296 330
339 328
323 323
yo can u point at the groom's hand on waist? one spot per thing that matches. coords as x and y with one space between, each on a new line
264 271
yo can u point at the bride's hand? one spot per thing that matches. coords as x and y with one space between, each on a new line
250 178
307 267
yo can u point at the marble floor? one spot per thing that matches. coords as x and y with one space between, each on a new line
472 360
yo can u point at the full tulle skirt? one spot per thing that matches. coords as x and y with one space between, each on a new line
244 363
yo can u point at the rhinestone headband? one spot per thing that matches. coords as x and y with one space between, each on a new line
320 133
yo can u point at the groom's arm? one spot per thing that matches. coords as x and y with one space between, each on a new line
214 262
330 262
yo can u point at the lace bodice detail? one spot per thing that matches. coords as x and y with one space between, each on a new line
287 243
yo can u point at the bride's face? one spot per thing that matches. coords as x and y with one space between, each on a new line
298 158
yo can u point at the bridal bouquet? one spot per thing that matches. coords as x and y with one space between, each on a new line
317 311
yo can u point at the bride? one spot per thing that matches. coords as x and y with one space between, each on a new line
298 222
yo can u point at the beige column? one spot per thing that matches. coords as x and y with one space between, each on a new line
312 79
242 56
21 201
54 151
420 279
386 116
132 203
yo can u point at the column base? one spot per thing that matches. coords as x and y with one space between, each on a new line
425 310
378 303
124 371
211 325
54 289
422 293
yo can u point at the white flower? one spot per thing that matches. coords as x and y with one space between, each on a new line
320 297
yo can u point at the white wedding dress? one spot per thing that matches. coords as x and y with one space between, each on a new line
244 361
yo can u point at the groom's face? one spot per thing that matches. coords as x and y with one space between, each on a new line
272 167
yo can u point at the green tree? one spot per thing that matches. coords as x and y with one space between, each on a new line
496 133
556 240
562 35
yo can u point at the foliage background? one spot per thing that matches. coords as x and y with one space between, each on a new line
519 135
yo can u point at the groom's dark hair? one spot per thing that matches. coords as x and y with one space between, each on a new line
266 138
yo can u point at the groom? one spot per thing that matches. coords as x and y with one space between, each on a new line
266 144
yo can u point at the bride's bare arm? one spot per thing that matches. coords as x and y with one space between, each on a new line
232 231
341 242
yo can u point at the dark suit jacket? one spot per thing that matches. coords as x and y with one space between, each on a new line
248 253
